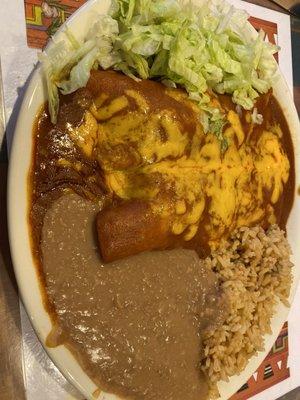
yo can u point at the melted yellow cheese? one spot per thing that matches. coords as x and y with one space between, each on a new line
180 207
139 99
235 122
271 164
62 162
172 145
185 175
191 232
86 134
107 112
99 101
157 136
277 130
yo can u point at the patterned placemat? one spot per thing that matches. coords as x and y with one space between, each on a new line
273 369
43 18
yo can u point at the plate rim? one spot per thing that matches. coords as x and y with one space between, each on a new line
86 386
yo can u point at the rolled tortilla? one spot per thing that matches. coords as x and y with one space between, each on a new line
130 228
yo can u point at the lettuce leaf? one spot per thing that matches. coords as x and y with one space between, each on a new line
80 73
200 48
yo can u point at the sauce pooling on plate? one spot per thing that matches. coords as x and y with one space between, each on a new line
129 142
128 164
136 324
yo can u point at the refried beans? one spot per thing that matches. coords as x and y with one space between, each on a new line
135 325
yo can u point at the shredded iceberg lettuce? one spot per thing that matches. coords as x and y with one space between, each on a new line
199 47
67 64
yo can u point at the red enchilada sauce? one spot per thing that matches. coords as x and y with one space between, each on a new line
134 325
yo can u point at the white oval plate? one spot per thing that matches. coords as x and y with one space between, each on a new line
25 270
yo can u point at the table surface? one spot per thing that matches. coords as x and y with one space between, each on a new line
11 375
